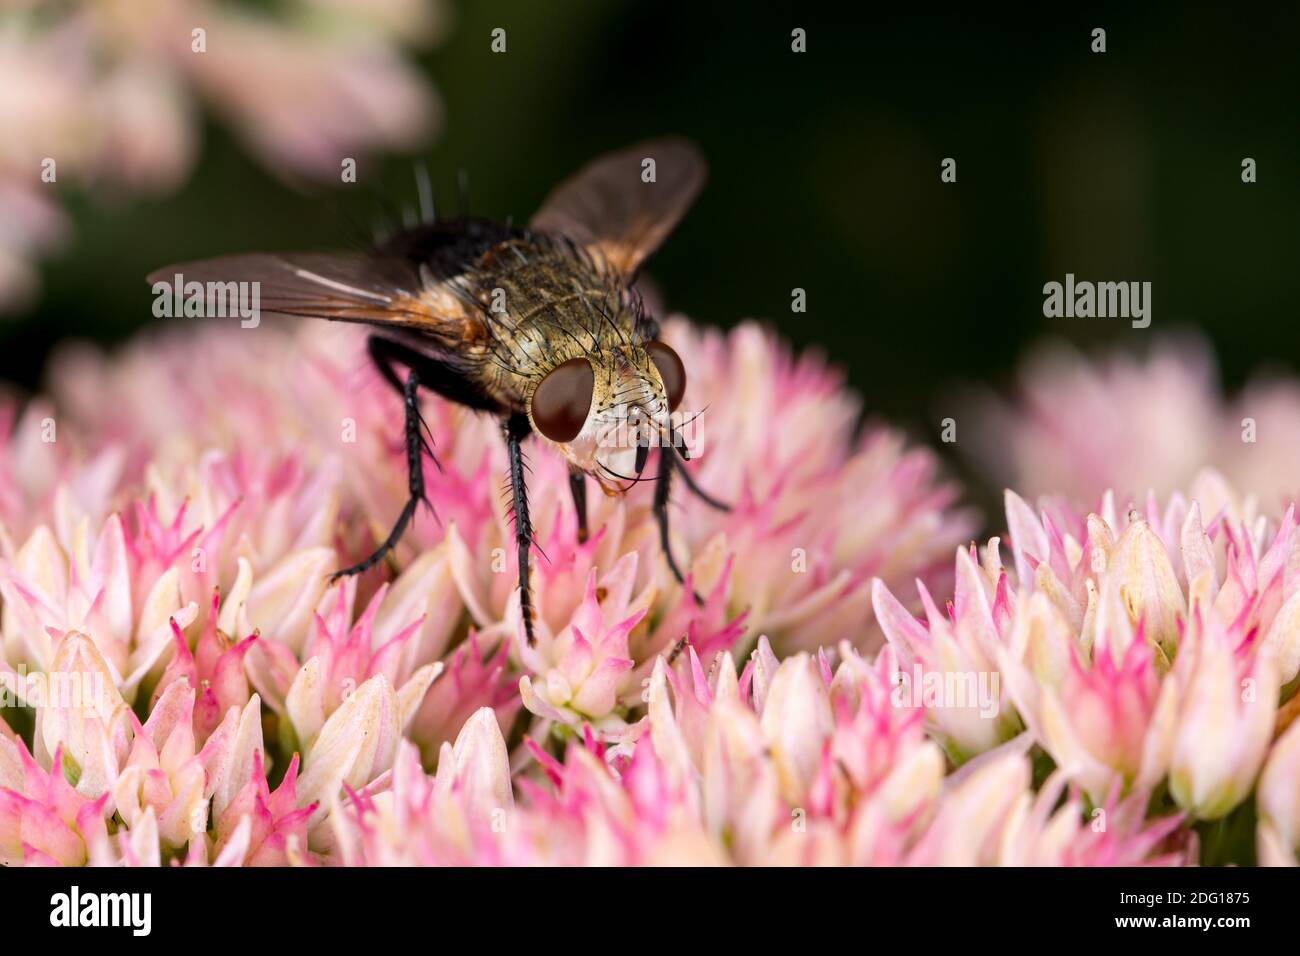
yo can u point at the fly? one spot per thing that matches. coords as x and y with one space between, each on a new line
540 326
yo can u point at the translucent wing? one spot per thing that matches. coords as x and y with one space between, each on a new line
374 290
610 208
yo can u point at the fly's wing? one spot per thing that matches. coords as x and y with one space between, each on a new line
609 208
374 290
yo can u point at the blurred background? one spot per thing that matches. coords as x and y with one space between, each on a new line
825 166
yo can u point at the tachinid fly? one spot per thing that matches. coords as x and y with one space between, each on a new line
539 326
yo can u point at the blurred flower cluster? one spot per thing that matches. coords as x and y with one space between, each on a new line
1134 422
182 685
106 96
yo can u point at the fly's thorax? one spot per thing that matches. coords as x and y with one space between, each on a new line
569 350
544 303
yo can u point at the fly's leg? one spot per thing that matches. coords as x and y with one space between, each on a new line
436 375
663 481
416 447
517 429
679 446
578 488
699 492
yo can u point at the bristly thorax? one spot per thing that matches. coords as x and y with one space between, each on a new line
543 301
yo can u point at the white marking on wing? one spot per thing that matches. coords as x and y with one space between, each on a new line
341 287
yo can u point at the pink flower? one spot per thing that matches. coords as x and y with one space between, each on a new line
454 817
815 768
203 519
472 680
164 773
1107 722
357 743
112 91
586 816
264 828
179 552
1119 643
89 588
82 716
582 670
342 660
44 821
949 666
1229 694
789 432
989 816
40 475
216 669
1078 425
1278 833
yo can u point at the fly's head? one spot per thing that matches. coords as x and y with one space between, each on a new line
605 410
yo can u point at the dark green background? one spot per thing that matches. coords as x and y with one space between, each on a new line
825 175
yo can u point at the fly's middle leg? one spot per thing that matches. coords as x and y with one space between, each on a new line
416 448
517 429
436 375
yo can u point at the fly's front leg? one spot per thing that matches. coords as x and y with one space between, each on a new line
663 482
416 447
679 447
699 492
517 429
578 488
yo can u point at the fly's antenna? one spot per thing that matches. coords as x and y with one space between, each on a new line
428 211
690 420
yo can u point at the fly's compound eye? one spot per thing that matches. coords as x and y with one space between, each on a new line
671 371
563 399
